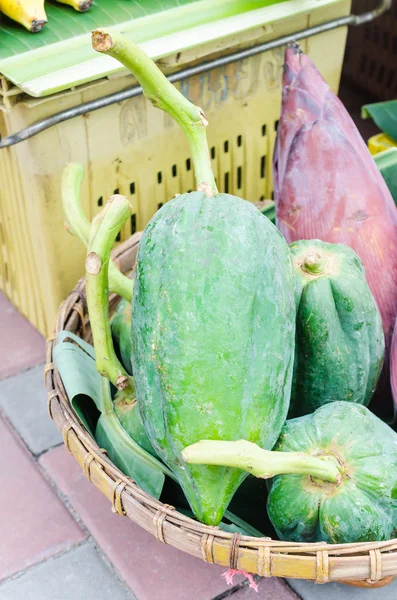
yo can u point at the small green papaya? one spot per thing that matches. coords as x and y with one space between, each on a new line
128 414
361 506
334 475
120 325
339 337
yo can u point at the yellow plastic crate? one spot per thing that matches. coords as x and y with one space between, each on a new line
380 143
138 151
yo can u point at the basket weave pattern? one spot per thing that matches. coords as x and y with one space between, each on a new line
365 564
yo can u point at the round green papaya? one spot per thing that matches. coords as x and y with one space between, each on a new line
339 337
213 329
120 325
361 506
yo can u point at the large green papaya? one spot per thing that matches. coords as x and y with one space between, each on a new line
213 315
339 337
212 336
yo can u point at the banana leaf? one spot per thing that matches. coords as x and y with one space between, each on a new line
90 397
384 115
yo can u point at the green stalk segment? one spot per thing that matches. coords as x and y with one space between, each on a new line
79 225
261 463
162 94
104 230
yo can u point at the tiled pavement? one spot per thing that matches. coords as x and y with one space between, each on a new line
58 537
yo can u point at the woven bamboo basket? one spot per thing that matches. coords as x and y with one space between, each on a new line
364 564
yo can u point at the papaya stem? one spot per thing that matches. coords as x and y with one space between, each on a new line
79 225
261 463
314 263
104 230
162 94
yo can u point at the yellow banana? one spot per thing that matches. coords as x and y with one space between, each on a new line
79 5
29 13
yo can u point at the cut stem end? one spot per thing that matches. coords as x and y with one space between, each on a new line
101 41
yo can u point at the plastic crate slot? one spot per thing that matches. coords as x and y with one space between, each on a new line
188 164
189 191
263 166
375 34
239 140
263 130
239 177
390 78
273 195
276 124
262 199
116 191
100 201
159 177
385 40
213 152
381 73
174 170
371 69
132 188
363 63
118 238
160 204
226 183
226 147
133 224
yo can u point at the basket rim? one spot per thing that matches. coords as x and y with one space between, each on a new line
372 562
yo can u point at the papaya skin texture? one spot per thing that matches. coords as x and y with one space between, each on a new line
362 506
339 336
213 328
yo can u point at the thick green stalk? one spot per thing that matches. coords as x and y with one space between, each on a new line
261 463
79 225
104 230
165 96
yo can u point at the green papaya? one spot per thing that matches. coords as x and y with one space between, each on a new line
129 416
212 336
339 337
361 506
333 475
120 325
213 319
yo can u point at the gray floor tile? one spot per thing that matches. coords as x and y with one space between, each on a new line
79 575
337 591
24 400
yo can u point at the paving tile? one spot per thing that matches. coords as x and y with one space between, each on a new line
337 591
151 569
80 574
268 589
34 524
21 345
23 399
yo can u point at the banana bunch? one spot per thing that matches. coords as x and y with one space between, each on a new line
31 13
